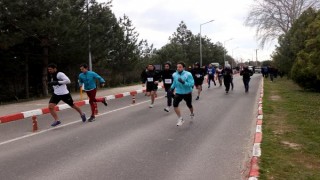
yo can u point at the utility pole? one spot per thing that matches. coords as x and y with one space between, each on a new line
89 37
257 57
200 39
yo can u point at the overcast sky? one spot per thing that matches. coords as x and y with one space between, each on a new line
156 20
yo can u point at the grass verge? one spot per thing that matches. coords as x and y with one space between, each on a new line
291 132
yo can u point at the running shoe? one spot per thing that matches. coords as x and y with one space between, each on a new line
192 115
83 117
180 121
91 119
209 86
105 102
197 98
151 106
55 123
167 109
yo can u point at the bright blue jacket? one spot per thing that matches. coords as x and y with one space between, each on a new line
211 71
185 88
89 80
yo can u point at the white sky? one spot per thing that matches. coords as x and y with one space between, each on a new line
156 20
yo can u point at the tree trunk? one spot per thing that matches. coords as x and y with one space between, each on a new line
45 46
27 76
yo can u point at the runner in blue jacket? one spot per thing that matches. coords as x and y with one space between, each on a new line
88 79
183 83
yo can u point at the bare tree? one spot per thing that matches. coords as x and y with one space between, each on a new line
273 18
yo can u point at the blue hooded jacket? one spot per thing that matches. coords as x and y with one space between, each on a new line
185 88
89 80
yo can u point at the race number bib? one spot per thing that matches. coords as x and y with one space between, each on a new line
150 79
210 72
168 81
198 75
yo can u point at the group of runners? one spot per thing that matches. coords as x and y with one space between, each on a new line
178 84
58 82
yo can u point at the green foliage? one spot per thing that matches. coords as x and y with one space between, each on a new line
306 69
185 46
298 52
292 42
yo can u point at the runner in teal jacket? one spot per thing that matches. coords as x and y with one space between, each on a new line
188 80
88 78
183 83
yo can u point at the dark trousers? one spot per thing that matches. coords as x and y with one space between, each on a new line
227 83
211 78
170 96
246 84
271 76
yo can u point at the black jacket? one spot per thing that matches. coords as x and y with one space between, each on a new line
166 76
150 77
198 74
246 73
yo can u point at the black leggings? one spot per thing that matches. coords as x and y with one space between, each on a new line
179 97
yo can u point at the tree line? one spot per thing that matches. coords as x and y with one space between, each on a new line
295 24
35 33
298 53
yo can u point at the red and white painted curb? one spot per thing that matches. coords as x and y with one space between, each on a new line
36 112
256 151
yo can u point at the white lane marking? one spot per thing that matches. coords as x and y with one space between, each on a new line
71 123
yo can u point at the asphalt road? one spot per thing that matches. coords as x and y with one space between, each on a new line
136 142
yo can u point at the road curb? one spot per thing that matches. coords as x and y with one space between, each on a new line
256 150
36 112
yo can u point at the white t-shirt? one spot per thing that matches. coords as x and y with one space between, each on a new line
63 81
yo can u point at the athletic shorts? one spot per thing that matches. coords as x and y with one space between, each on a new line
151 87
198 82
179 97
55 99
211 77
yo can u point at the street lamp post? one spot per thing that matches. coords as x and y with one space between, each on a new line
232 55
257 57
201 42
224 45
89 37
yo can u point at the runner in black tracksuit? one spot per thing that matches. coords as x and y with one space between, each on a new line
151 78
166 76
227 77
198 74
246 73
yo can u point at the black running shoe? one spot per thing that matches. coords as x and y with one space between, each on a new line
105 102
197 98
91 119
55 123
83 117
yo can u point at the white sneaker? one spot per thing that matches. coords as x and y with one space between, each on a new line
180 121
151 106
167 109
192 115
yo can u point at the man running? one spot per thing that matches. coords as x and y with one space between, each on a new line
219 74
246 73
58 81
211 72
151 78
198 75
227 77
88 79
183 83
166 76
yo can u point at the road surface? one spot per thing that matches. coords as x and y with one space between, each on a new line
137 143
